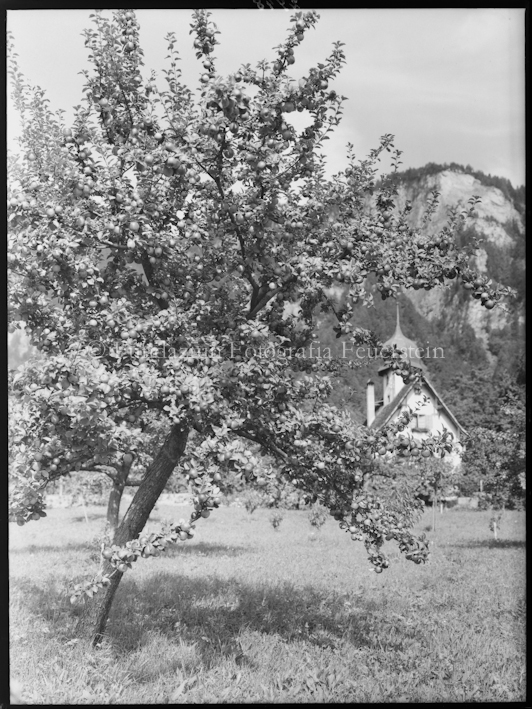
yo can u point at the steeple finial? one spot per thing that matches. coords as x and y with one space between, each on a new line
398 332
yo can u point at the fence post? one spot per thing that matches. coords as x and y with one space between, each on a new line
84 509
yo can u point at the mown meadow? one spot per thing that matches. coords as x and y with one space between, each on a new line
247 613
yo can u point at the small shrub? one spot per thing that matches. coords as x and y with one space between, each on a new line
317 515
276 518
251 500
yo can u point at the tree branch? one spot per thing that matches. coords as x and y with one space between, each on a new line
266 296
148 272
247 272
105 470
113 246
258 438
97 468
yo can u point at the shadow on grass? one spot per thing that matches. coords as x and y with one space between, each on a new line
91 516
204 549
69 516
218 609
47 601
209 613
199 549
491 544
69 546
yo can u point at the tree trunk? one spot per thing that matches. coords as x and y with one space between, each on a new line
113 507
115 497
96 612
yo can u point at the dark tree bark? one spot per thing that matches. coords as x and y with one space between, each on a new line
115 496
94 618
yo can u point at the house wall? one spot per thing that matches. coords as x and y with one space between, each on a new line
436 420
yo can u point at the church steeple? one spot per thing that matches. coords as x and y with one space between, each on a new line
393 383
408 347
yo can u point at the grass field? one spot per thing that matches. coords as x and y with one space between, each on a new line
244 613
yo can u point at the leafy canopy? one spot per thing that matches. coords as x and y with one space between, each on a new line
168 254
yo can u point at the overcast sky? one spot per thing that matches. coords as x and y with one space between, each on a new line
448 83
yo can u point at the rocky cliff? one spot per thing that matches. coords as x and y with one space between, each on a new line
500 225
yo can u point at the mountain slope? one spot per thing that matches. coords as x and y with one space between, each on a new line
478 344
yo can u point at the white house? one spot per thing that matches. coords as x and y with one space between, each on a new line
431 417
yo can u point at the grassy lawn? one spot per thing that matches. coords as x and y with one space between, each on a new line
244 613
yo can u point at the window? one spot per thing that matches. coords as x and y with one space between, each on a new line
422 422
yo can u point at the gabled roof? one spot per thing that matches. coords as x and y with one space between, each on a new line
387 412
444 405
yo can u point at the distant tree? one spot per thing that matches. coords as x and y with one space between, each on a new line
473 396
426 479
154 248
495 456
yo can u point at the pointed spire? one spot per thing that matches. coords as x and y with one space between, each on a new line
402 342
398 332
